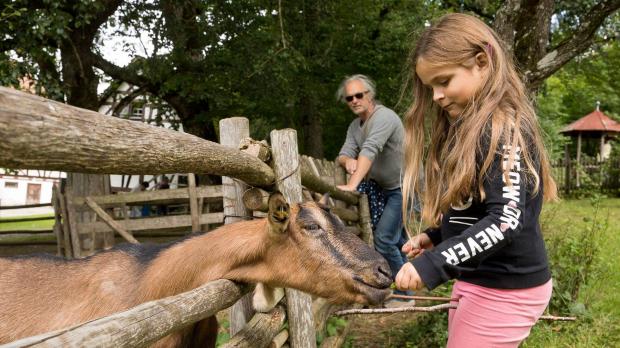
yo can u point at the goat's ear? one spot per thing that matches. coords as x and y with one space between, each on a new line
279 213
324 199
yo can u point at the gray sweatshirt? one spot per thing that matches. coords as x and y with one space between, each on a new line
380 139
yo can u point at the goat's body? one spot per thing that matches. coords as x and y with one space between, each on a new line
42 294
60 293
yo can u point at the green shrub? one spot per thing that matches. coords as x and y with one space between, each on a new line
573 256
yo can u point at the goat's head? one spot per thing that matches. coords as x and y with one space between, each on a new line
310 250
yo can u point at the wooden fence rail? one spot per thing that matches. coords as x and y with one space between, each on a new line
25 206
144 324
92 143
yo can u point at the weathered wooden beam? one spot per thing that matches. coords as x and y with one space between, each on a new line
213 193
365 222
109 221
66 230
279 340
286 165
256 199
38 133
259 332
163 222
69 217
38 231
232 132
316 184
258 149
193 202
146 323
345 214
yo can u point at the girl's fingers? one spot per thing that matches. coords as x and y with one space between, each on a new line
414 253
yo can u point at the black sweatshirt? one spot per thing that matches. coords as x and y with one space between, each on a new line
495 243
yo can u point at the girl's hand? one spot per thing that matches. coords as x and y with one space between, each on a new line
416 245
408 278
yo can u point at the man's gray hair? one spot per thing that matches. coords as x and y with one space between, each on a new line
368 83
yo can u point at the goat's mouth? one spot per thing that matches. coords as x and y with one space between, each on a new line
374 293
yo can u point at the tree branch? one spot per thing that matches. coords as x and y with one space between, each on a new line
116 111
100 17
577 43
434 308
118 73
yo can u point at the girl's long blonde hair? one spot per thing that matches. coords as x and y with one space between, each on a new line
499 113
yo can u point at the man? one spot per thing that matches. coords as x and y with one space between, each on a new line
373 150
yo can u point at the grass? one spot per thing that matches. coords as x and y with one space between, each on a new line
27 225
599 324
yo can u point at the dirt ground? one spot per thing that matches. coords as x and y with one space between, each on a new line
376 331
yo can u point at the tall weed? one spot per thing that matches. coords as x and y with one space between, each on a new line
574 257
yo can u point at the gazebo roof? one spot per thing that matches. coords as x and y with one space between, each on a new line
596 121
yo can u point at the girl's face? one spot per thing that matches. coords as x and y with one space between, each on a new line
453 85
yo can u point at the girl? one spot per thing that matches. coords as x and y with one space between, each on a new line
486 176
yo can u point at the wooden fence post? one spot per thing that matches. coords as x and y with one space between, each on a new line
365 222
232 131
287 168
193 202
567 170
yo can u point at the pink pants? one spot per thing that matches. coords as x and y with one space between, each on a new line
488 317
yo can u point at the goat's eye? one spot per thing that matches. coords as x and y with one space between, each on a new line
312 227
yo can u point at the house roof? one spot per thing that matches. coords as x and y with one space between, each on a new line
596 121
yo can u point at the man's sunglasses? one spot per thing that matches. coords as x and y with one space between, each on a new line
360 95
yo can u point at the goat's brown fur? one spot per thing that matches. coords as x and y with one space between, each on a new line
303 247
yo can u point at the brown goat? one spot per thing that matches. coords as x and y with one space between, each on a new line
303 247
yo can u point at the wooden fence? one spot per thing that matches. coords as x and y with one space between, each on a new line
588 173
82 132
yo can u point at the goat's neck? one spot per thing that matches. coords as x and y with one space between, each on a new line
228 252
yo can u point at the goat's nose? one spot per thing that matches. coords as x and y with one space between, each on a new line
383 271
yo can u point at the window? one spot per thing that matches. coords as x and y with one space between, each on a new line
137 111
10 184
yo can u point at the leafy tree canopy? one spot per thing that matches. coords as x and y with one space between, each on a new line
279 63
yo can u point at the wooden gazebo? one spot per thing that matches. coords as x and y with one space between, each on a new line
593 125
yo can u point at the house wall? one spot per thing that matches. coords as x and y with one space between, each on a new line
10 195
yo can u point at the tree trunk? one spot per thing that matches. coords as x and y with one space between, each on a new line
312 129
81 87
